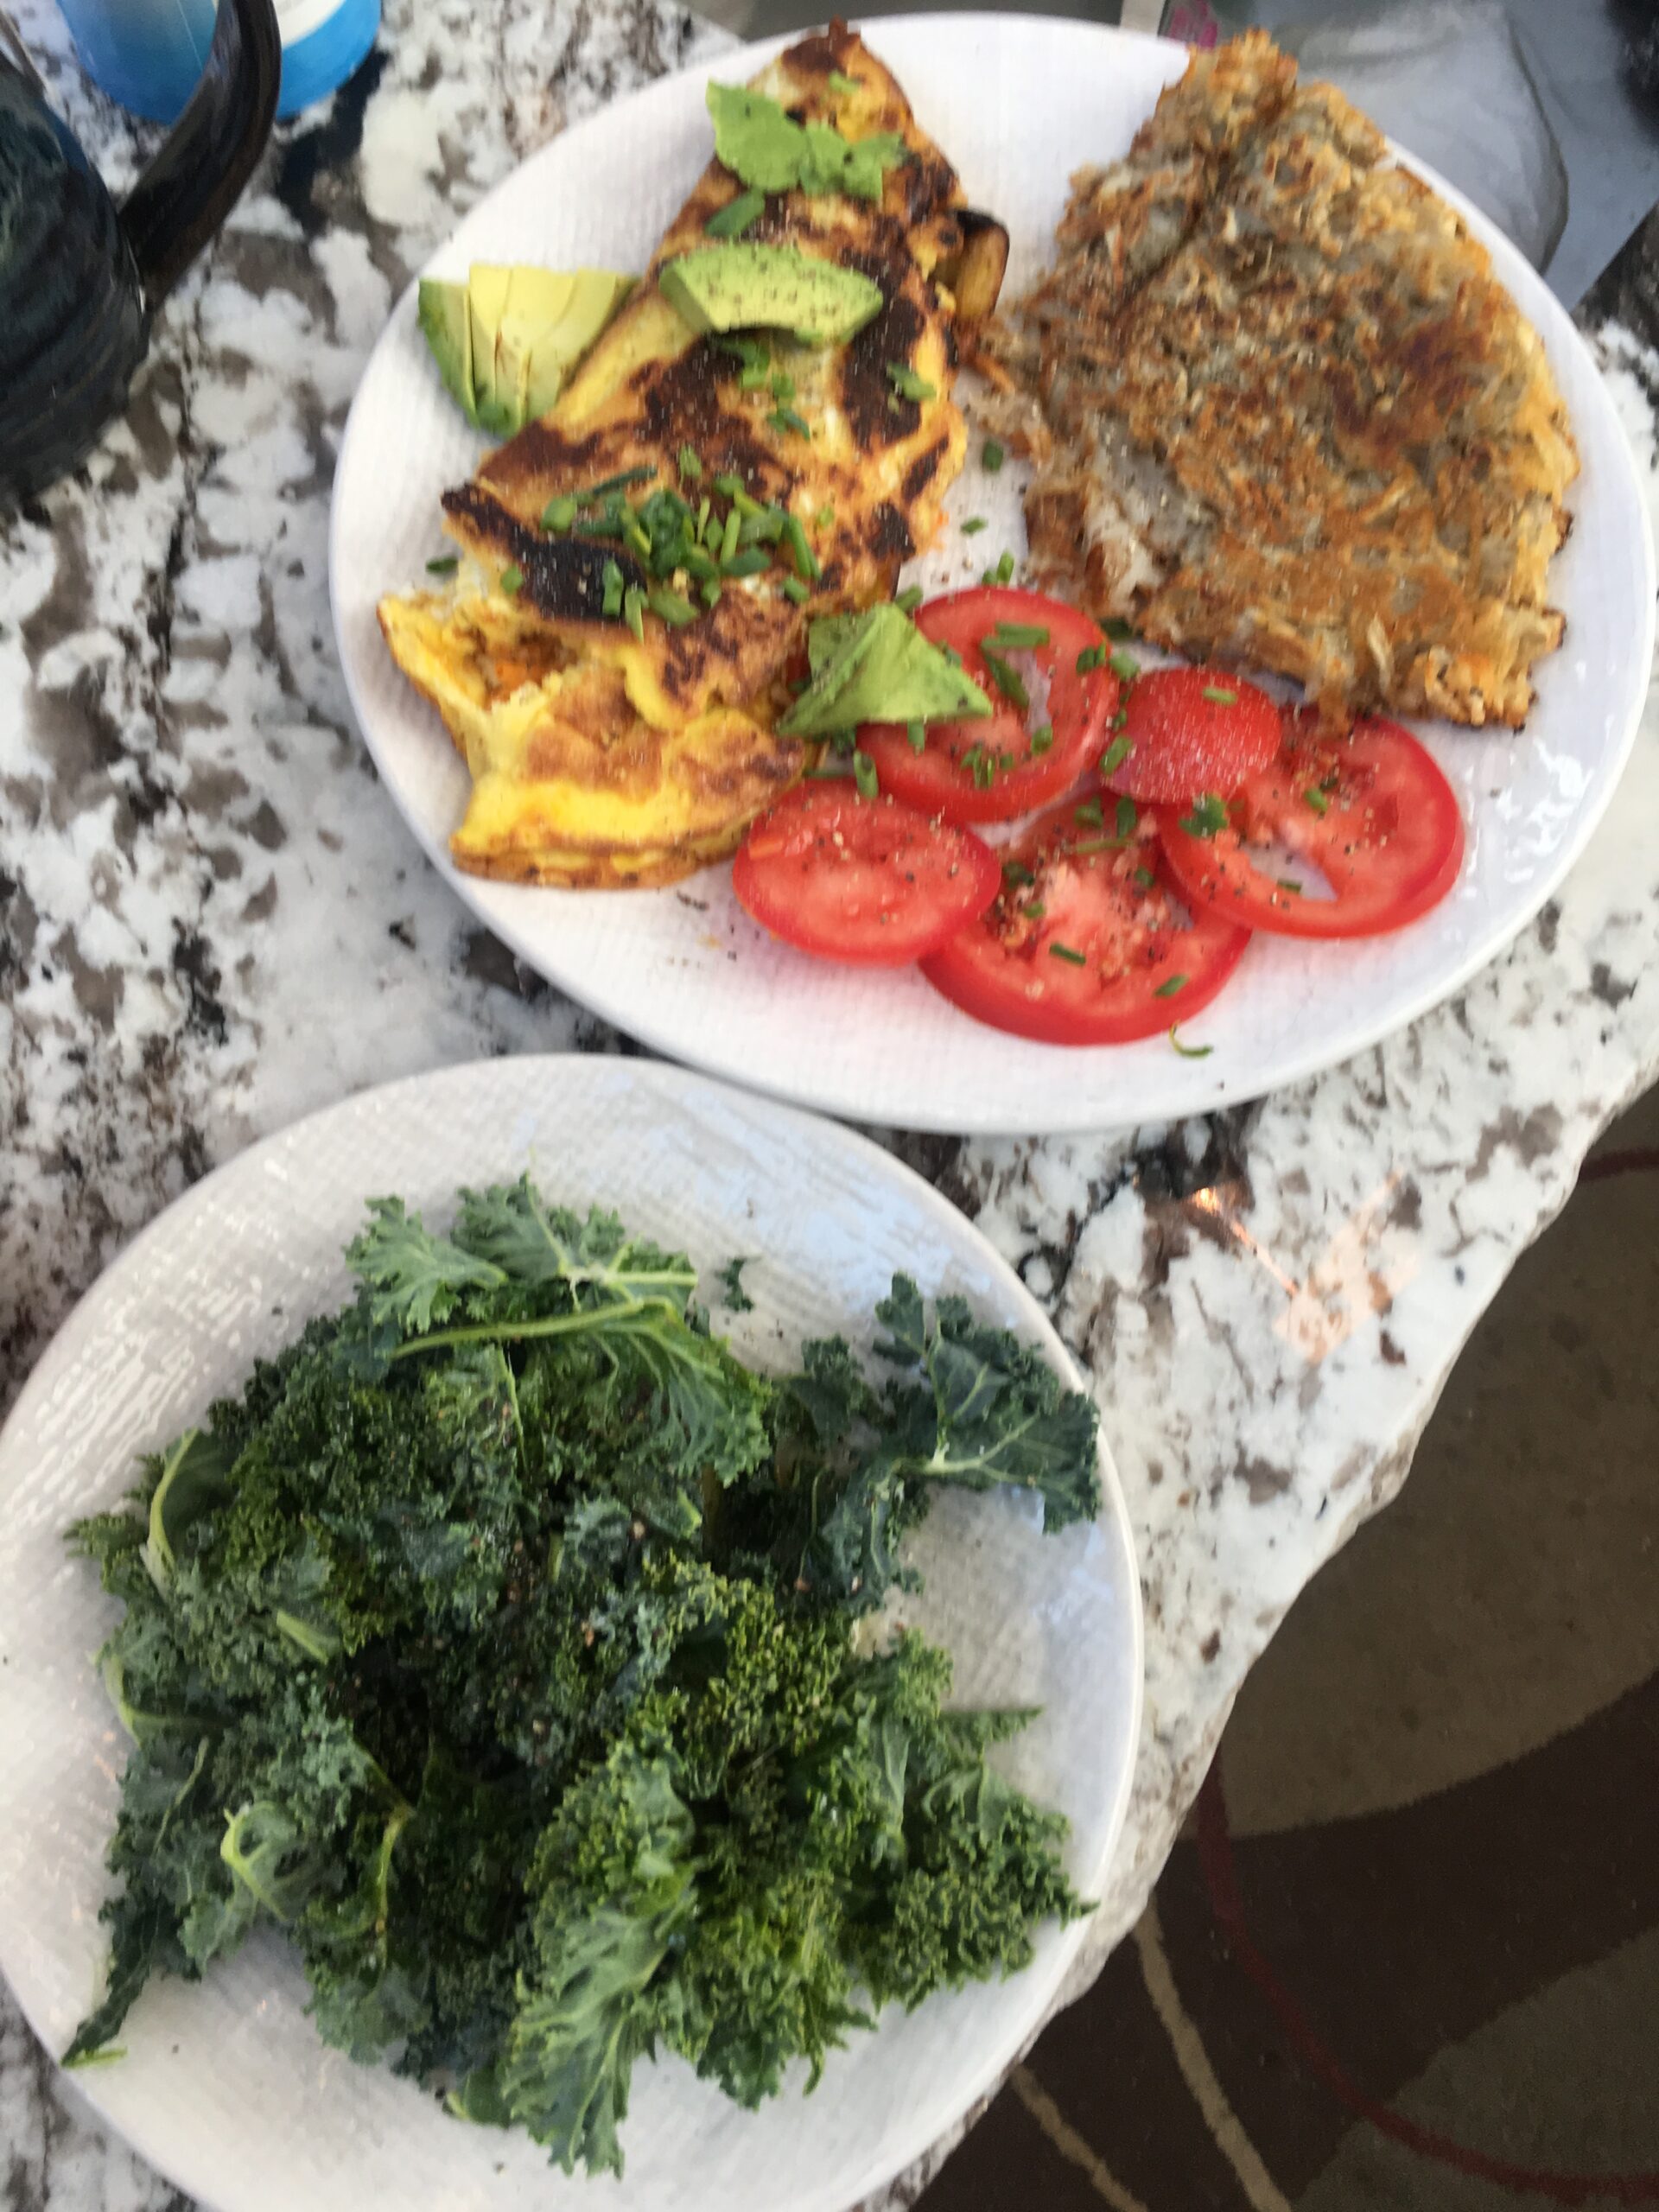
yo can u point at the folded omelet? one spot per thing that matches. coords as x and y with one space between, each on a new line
608 745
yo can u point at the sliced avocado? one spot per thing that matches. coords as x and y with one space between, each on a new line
741 287
878 667
447 325
536 299
594 297
506 341
495 399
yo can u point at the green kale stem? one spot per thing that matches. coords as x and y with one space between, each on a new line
621 1314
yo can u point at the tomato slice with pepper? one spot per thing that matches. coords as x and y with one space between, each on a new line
1370 812
1185 730
1022 649
1088 941
862 880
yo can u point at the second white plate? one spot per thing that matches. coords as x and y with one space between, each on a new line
225 2084
1017 103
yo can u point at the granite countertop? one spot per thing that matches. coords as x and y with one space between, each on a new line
213 921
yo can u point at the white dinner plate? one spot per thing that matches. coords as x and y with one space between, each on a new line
1017 103
223 2084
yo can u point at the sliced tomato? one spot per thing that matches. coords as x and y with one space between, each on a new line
1187 730
1370 810
863 881
1088 943
1022 756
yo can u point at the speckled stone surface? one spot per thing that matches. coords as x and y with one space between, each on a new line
212 920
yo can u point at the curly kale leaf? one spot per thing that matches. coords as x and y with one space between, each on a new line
968 1406
364 1999
512 1227
413 1277
613 1890
999 1415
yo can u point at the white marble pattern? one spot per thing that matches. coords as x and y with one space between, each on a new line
211 921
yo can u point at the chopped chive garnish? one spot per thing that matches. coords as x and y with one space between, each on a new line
1218 696
735 218
1091 657
1289 883
1016 871
1088 816
728 486
1067 952
839 83
806 561
1168 990
793 589
915 735
560 514
728 535
690 466
705 511
973 525
512 579
1002 573
1145 878
823 518
991 456
754 378
1128 817
1035 910
1119 631
711 592
1208 817
1317 800
951 655
1124 667
1114 755
785 418
1041 737
674 608
1189 1051
908 385
1018 637
445 566
633 610
1006 679
864 774
981 766
751 562
617 483
634 534
751 510
612 580
783 386
908 601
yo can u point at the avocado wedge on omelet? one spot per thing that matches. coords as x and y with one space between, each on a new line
762 435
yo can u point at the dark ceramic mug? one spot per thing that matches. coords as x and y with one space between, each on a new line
80 278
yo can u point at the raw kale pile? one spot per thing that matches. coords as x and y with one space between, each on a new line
498 1643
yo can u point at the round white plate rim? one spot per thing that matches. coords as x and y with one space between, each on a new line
633 1013
676 1084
